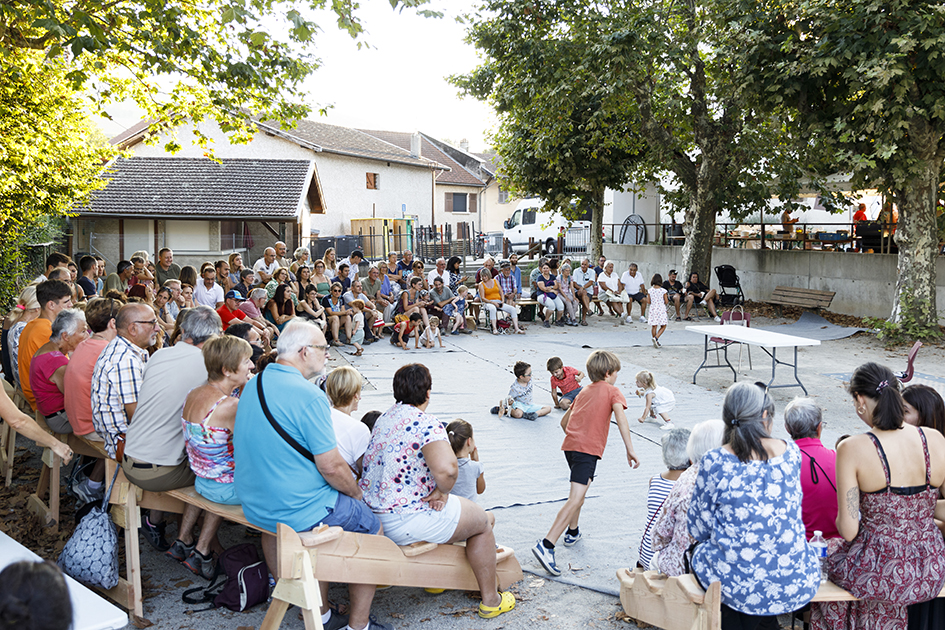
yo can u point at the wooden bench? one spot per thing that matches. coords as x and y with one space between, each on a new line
329 553
679 603
804 298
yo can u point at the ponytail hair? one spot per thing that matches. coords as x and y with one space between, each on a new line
459 432
878 383
744 415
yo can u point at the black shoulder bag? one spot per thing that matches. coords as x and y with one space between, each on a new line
304 452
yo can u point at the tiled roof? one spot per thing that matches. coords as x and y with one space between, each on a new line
174 187
457 175
490 161
345 141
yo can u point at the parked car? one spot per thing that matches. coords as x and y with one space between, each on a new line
528 221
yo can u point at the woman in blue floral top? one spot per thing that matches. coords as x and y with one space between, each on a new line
408 472
746 516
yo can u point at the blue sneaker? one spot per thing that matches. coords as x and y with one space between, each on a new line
547 558
569 540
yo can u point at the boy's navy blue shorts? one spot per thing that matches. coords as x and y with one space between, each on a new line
571 395
582 466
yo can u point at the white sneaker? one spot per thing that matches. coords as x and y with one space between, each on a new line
656 344
630 320
642 319
667 426
702 303
718 319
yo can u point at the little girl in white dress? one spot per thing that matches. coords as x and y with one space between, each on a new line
657 315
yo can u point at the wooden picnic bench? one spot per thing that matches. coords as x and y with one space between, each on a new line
680 603
804 298
332 554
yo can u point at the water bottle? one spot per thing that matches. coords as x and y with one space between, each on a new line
820 546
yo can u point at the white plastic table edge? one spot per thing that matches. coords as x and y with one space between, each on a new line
754 336
90 611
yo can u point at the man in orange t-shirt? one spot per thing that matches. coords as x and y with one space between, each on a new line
53 296
586 425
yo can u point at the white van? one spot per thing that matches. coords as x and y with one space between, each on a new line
528 221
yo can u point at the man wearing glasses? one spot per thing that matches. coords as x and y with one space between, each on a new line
118 373
276 482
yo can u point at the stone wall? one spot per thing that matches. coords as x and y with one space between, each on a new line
864 283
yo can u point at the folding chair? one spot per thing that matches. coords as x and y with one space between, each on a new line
729 280
735 317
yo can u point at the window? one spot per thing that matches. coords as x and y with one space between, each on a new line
373 181
528 218
503 196
459 202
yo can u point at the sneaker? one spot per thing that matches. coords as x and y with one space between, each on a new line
667 426
336 621
179 551
629 320
530 415
560 322
642 319
656 344
702 303
547 324
494 411
718 319
154 534
200 564
373 624
455 332
570 541
547 558
86 495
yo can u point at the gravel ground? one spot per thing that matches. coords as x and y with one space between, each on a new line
541 602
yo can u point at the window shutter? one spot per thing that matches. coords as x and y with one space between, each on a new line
448 206
471 204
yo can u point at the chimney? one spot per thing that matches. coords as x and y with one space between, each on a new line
464 145
415 144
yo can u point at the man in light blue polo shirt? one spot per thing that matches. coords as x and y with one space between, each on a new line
278 484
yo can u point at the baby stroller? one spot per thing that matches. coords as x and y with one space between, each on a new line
730 288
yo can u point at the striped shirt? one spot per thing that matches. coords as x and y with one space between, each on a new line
655 498
115 383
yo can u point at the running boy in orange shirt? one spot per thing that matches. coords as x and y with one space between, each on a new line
586 425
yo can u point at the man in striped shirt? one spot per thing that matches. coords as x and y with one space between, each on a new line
118 372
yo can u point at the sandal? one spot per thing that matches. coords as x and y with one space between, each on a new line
688 319
506 604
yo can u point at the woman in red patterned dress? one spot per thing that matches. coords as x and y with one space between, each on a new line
888 481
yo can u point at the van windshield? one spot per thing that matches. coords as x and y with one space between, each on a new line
516 219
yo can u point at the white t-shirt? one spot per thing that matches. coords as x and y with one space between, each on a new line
663 399
582 277
351 437
435 274
358 322
632 283
468 475
262 266
609 282
353 269
208 297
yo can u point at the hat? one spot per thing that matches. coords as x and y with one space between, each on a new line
234 295
505 264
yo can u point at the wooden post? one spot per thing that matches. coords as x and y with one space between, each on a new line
505 248
531 247
560 245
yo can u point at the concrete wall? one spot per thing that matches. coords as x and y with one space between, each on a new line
492 213
442 217
864 283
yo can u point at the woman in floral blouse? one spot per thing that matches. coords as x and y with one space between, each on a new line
408 471
746 516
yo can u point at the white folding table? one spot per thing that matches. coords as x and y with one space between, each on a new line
89 610
767 340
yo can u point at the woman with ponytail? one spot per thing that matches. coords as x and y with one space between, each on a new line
745 515
888 480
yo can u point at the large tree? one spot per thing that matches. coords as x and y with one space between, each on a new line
178 59
561 134
50 153
867 81
648 74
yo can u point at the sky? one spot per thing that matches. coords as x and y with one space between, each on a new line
398 84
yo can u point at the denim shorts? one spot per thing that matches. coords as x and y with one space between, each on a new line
351 516
216 491
571 395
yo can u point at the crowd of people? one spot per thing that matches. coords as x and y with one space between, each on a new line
191 393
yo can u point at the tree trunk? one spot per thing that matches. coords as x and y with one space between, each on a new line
917 239
597 225
700 216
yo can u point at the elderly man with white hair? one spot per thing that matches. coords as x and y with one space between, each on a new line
254 308
803 419
439 272
312 484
